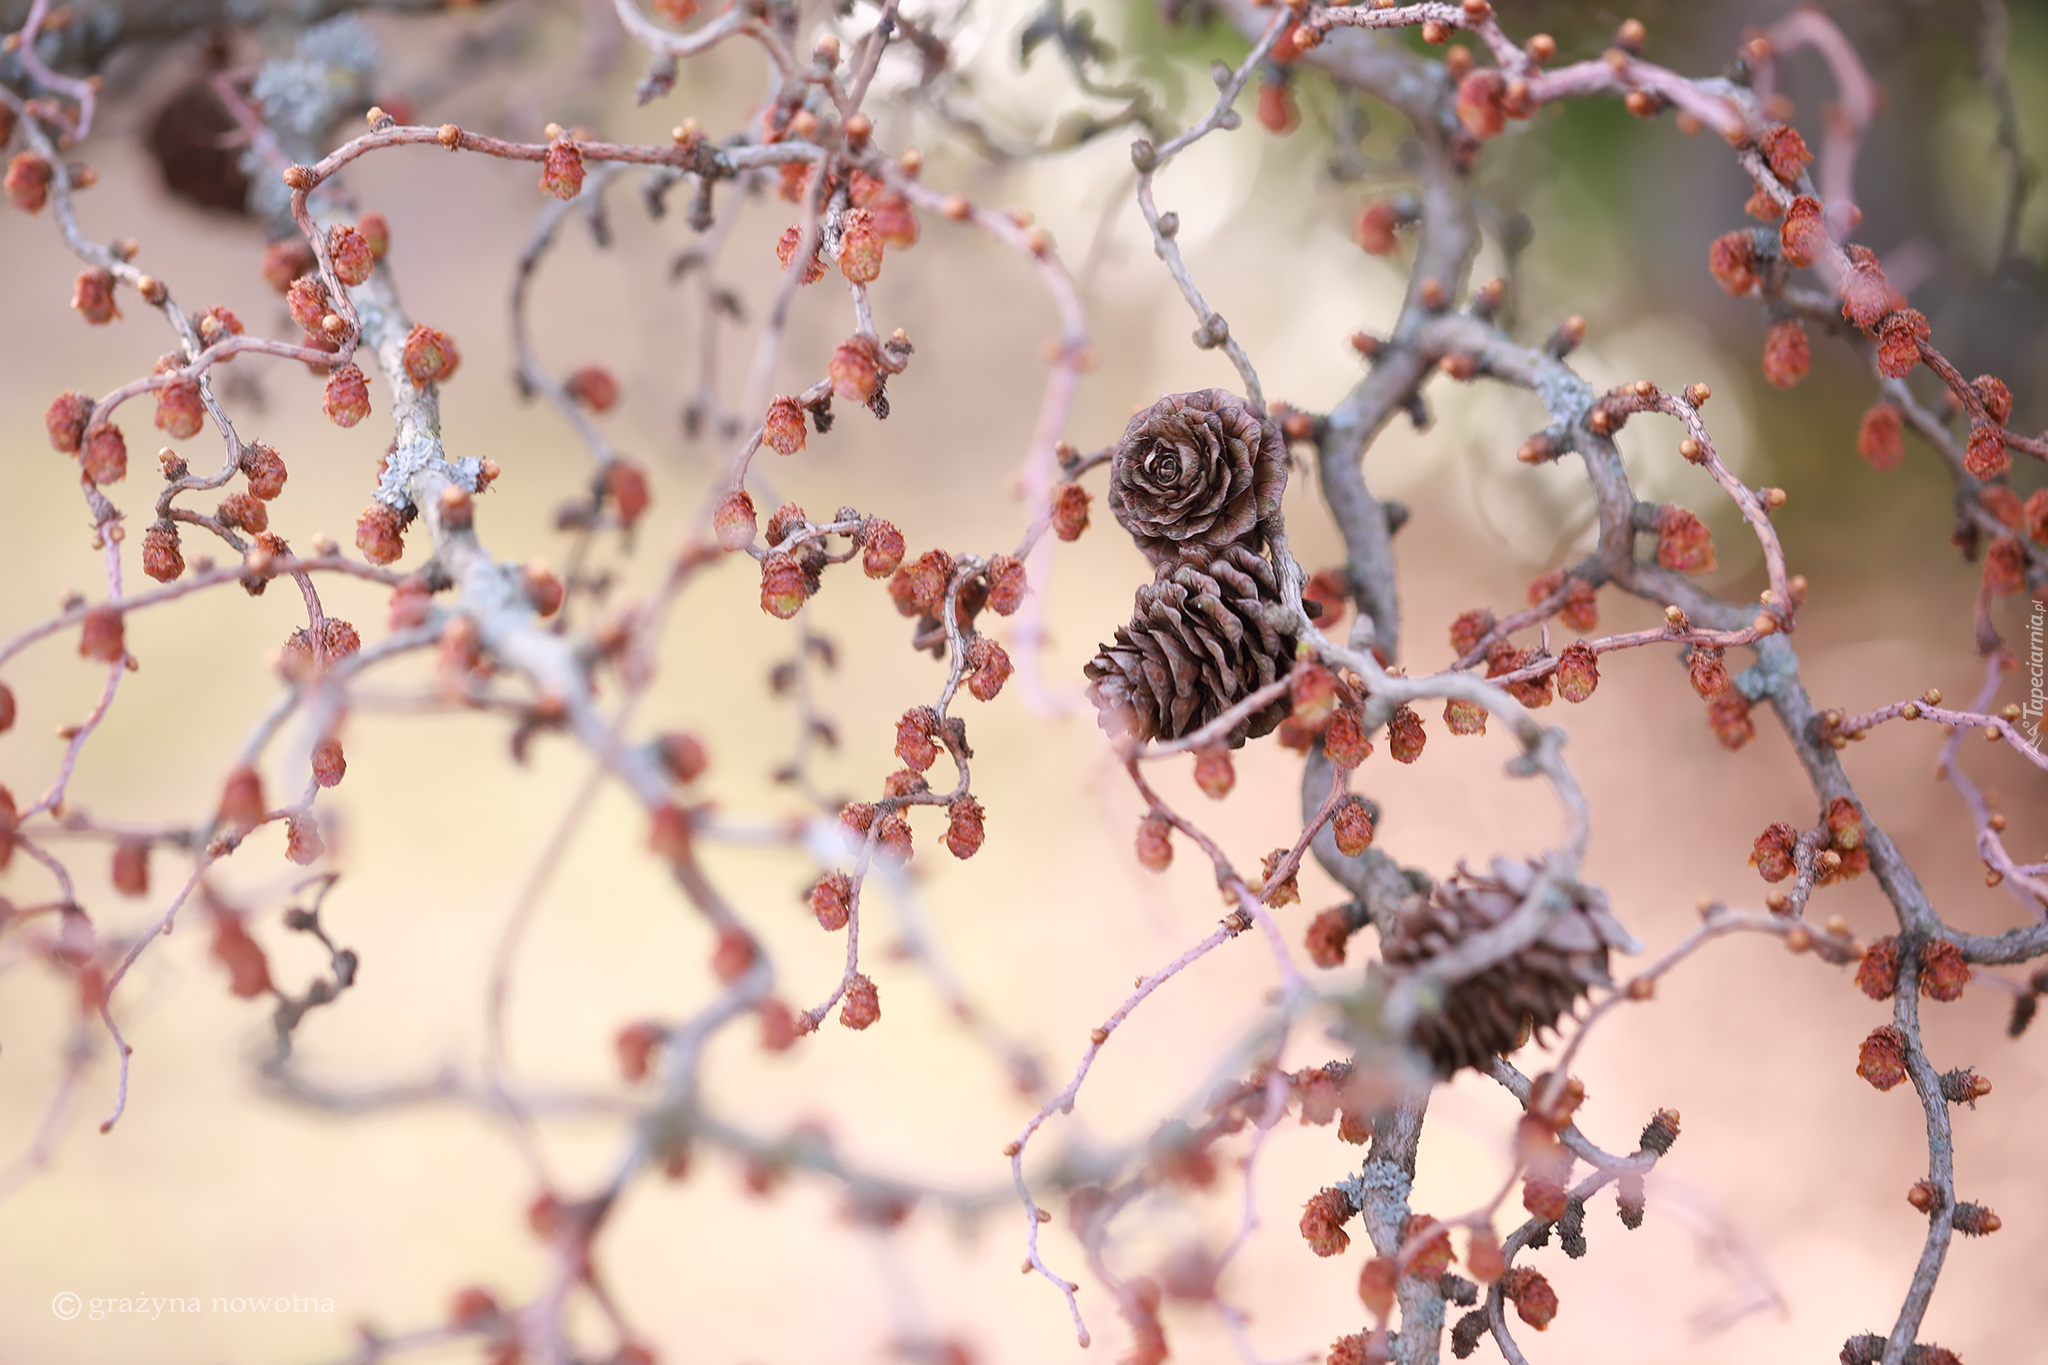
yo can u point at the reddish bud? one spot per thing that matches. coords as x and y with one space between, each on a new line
1469 629
161 558
1880 438
778 1025
863 1004
248 968
351 255
1313 689
734 954
1405 735
1478 103
561 172
1706 671
1277 113
1535 1301
635 1045
1772 854
1899 336
308 301
179 412
1374 228
1330 590
1986 457
1803 236
1376 1281
734 524
860 247
914 738
1866 297
1483 1255
683 755
782 586
594 387
991 665
1578 672
1943 973
1006 585
1323 1219
1155 843
92 296
286 261
347 399
882 548
855 375
783 430
1728 718
1786 357
243 511
1544 1197
1732 261
1882 1058
785 251
1877 975
2034 516
241 801
964 827
65 421
1683 542
429 356
1344 738
104 458
101 635
625 483
675 11
1785 150
330 764
473 1308
131 867
1352 826
28 181
1845 824
1464 717
1069 510
668 836
1214 773
380 533
1994 395
1328 933
832 901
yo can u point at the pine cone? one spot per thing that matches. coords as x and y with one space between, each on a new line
1195 474
1199 640
1487 1015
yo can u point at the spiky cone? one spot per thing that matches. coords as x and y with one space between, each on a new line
1195 474
1491 1013
1199 641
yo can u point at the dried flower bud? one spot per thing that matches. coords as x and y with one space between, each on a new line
1786 357
380 533
1578 672
1313 690
1352 826
832 901
882 548
65 421
785 251
1328 933
347 399
1732 261
1483 1255
561 172
1986 457
1323 1219
1943 973
733 524
1866 296
1478 103
783 429
669 833
991 665
1772 855
1994 395
914 738
243 511
308 301
1707 672
429 356
179 412
1974 1220
1877 975
1802 236
634 1045
1006 584
161 558
241 801
625 484
855 375
1376 1281
1464 717
1535 1301
1405 735
1155 843
1882 1058
28 181
1785 150
1728 718
101 635
964 830
863 1004
594 387
1469 629
1214 773
232 947
860 247
351 254
1277 113
1374 227
1683 542
1899 336
330 764
104 457
131 867
1344 738
1069 510
782 586
1880 437
92 296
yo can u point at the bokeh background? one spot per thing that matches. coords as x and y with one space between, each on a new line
1785 1194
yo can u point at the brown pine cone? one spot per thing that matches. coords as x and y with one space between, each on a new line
1199 640
1493 1013
1196 473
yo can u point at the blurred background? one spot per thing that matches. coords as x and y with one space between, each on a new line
1782 1207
